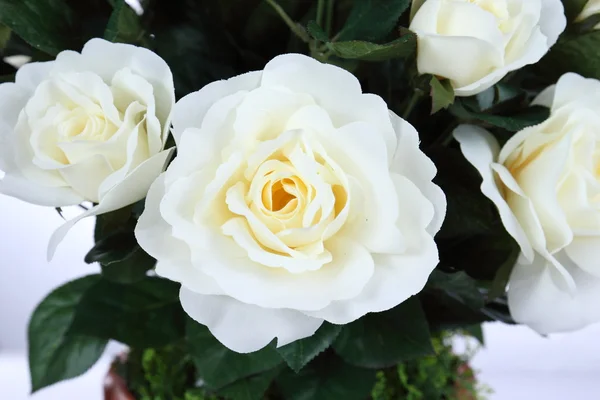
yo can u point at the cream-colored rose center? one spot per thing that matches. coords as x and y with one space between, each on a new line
293 198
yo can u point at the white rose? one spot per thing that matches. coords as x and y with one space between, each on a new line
475 43
86 127
592 7
294 199
545 182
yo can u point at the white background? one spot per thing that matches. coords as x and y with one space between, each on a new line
517 363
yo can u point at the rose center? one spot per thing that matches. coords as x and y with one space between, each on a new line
280 195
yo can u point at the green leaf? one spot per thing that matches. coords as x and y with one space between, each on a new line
502 277
513 123
384 339
197 54
299 353
112 223
4 36
113 248
45 25
327 378
131 269
442 94
124 24
575 53
469 212
372 20
250 388
144 314
56 352
458 286
218 366
404 46
316 31
477 332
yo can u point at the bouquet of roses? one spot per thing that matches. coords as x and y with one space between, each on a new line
303 199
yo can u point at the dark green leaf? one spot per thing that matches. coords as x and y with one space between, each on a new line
112 249
250 388
301 352
124 24
46 25
469 212
500 282
575 53
384 339
372 19
131 269
327 378
480 256
513 123
4 36
573 8
112 223
217 365
56 352
442 94
476 331
197 54
359 50
144 314
316 31
458 286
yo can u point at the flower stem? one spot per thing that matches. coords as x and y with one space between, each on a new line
329 17
294 27
416 96
320 12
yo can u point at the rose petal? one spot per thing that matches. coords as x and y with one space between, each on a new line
535 297
191 109
411 162
245 328
395 277
343 278
481 149
133 188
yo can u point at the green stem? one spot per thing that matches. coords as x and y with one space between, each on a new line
320 12
329 17
416 96
294 27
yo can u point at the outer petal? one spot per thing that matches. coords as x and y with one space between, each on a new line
481 149
155 236
535 50
16 185
411 162
106 58
342 279
190 110
553 20
133 188
569 88
437 55
396 277
245 328
585 253
30 75
535 297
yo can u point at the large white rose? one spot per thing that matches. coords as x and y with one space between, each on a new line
545 182
86 127
475 43
294 199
